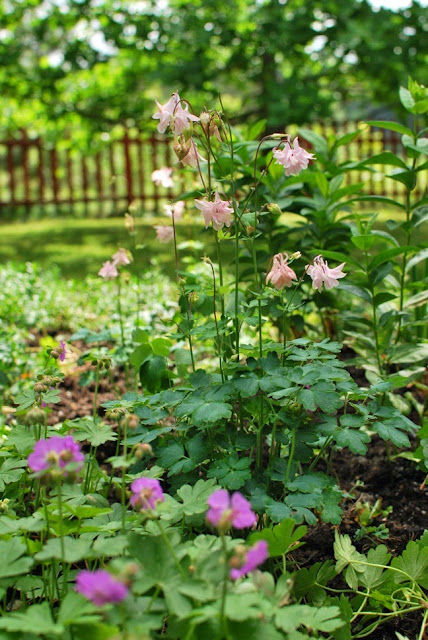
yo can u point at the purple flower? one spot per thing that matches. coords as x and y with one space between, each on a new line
62 352
146 492
226 510
55 455
100 587
250 560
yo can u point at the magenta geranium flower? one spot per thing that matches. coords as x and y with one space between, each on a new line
229 510
62 353
54 455
293 158
280 274
108 271
100 587
146 493
250 560
321 273
218 212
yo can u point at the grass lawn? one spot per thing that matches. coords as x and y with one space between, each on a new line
80 246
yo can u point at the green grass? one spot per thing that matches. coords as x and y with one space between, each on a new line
80 246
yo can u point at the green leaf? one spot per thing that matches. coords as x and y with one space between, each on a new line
354 439
347 557
231 473
294 616
364 242
74 550
374 577
406 99
408 178
388 431
11 471
25 400
388 158
22 438
194 499
391 126
75 609
161 346
364 294
241 607
95 433
36 619
11 552
322 395
386 255
140 354
282 539
414 562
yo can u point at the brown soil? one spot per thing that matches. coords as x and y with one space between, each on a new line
398 483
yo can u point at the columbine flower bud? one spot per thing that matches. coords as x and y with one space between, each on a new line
296 255
129 223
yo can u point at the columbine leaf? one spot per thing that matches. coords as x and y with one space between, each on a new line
348 557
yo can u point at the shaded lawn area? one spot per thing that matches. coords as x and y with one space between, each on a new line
80 246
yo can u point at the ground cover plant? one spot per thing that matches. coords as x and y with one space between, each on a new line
176 497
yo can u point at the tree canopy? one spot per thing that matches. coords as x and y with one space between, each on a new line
101 62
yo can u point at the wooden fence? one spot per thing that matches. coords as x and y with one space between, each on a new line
47 180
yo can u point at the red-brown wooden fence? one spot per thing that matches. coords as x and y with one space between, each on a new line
52 179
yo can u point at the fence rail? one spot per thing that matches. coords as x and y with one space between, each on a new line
37 177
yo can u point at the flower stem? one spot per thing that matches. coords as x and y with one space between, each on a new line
61 538
170 549
223 619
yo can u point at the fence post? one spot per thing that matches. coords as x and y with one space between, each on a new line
128 167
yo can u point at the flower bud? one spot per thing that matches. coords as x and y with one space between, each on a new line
4 505
35 416
132 421
273 208
142 449
39 387
296 255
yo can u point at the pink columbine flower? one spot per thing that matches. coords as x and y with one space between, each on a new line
163 233
249 561
162 177
172 114
293 158
100 587
225 510
321 273
146 493
121 258
54 455
218 212
108 271
280 275
175 209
